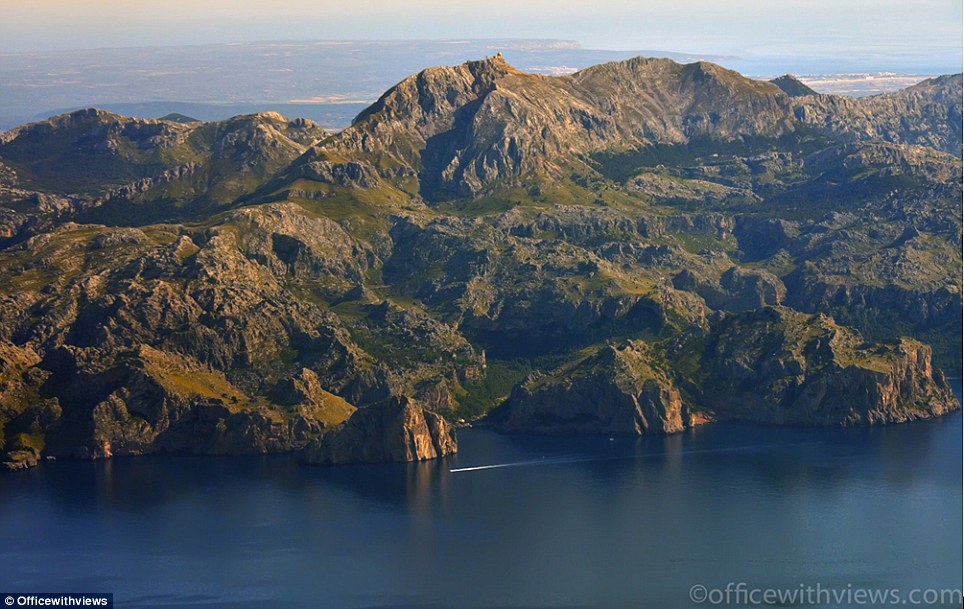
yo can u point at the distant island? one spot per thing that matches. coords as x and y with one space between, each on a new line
640 247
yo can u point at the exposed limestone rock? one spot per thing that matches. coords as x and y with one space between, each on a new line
752 289
360 175
396 430
738 289
928 114
25 416
169 403
616 391
778 366
792 86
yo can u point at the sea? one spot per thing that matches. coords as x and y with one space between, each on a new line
722 515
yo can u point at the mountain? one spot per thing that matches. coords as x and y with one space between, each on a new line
112 169
792 86
638 247
463 128
177 117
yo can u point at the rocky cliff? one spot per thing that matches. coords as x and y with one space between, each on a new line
778 366
772 365
615 391
397 430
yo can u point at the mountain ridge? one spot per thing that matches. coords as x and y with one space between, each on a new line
481 131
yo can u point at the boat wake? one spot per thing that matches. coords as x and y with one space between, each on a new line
586 458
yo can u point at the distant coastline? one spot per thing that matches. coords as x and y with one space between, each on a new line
339 78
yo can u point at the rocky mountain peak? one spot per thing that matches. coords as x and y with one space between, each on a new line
464 129
437 92
792 86
491 68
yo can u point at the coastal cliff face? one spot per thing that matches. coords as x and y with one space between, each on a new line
772 365
779 366
398 430
615 391
635 248
146 401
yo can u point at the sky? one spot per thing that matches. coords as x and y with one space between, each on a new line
749 28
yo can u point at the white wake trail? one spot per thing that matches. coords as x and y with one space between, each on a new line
543 461
585 458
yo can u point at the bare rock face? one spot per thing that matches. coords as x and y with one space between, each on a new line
396 430
303 389
792 86
927 114
737 290
467 127
169 403
782 367
616 391
23 414
359 175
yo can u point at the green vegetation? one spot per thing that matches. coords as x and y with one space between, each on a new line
494 387
172 373
27 441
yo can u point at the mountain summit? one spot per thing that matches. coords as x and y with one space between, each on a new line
792 86
464 128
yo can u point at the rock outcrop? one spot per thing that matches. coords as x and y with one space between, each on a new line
358 175
158 402
465 128
928 114
616 391
782 367
397 430
792 86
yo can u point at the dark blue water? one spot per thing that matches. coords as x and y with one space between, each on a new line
575 522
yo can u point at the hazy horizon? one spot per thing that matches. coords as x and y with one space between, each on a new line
928 32
57 55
